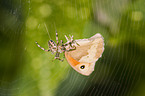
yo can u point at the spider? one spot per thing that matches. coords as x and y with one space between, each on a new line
60 47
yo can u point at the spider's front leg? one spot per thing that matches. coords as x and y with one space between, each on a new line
71 48
70 44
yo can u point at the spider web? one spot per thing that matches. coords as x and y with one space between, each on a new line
26 70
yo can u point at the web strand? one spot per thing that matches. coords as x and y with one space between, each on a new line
47 30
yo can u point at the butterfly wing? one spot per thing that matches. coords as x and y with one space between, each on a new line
83 58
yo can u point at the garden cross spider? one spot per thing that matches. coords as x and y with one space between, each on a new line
60 47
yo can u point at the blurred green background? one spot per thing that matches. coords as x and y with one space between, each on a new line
26 70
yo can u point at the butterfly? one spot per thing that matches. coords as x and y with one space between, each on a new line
81 54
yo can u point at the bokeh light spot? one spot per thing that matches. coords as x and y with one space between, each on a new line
45 10
31 22
137 16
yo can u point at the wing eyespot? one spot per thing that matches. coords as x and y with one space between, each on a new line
82 66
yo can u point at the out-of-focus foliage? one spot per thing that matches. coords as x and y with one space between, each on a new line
26 70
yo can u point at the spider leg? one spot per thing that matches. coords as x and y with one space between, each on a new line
51 43
57 45
63 55
52 46
71 37
57 38
57 56
76 43
68 41
74 40
66 38
41 47
61 43
71 48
